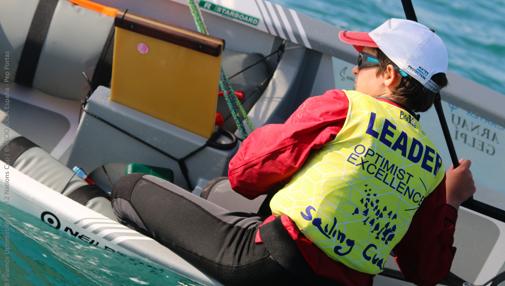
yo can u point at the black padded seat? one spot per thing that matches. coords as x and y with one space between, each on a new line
28 158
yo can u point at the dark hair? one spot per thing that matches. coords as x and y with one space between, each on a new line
410 93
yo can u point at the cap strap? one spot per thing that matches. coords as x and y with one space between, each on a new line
432 86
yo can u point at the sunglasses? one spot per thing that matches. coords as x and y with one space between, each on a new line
366 60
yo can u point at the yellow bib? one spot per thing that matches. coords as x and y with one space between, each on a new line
355 198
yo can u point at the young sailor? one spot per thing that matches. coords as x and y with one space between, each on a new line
353 177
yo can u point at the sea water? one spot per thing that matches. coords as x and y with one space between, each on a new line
474 31
32 253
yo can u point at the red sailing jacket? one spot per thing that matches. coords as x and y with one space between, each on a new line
270 156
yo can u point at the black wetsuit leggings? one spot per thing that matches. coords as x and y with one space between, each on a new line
219 242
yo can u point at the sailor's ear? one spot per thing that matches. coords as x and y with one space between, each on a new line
391 77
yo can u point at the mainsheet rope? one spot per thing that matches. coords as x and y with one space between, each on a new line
224 83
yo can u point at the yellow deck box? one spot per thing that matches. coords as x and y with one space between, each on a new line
166 72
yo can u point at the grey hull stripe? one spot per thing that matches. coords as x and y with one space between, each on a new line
111 227
283 23
276 20
288 28
100 225
300 28
119 240
91 218
263 16
97 220
269 17
112 236
292 24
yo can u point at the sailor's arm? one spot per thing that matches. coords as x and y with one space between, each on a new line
273 153
426 252
460 184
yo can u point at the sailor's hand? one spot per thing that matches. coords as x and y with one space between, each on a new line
459 184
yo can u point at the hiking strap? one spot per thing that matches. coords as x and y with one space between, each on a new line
14 149
34 43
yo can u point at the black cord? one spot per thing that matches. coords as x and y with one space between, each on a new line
85 99
124 14
279 51
181 162
107 175
68 182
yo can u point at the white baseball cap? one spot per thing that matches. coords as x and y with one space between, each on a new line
413 47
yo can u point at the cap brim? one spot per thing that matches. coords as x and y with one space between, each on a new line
357 39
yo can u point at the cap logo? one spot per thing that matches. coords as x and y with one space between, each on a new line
420 71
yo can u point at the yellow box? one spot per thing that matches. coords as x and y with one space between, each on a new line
166 72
